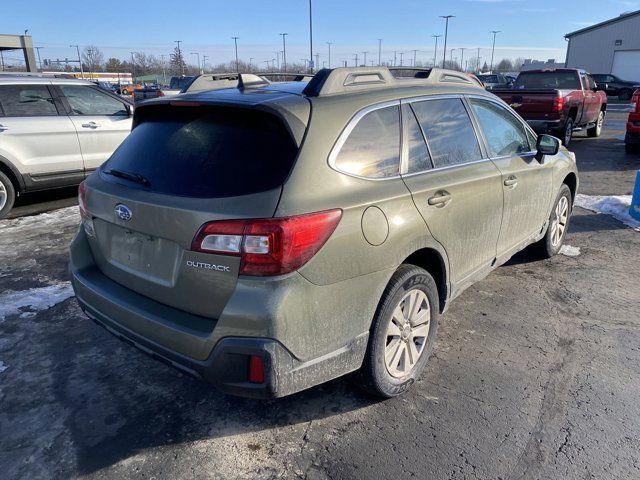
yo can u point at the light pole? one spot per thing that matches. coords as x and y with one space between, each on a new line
310 38
79 59
435 50
39 61
329 62
478 60
446 34
133 67
462 49
284 52
451 58
365 58
401 54
235 42
414 57
379 52
204 63
395 58
199 67
356 57
495 32
180 56
250 62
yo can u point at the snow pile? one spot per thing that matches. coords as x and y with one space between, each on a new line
569 251
55 218
615 205
28 302
3 367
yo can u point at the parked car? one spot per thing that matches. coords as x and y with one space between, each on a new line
176 86
632 137
559 101
242 239
613 85
128 89
494 80
54 132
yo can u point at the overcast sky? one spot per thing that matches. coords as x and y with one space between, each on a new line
530 29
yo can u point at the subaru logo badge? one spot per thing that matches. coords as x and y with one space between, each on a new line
123 212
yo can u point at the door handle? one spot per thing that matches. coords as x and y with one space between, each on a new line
512 181
3 128
440 199
91 125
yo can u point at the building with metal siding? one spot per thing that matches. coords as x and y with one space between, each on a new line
612 46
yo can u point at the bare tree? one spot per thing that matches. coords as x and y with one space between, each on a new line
92 58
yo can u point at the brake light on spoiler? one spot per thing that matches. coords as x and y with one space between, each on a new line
271 246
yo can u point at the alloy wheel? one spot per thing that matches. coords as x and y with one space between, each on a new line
560 219
4 196
407 333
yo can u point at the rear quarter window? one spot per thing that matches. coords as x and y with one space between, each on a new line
206 152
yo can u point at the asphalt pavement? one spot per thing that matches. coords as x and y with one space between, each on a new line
536 374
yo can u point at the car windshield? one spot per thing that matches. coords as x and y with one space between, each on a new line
555 80
205 152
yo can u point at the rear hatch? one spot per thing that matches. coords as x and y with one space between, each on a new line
531 104
183 166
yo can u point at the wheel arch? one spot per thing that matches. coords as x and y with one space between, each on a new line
433 262
571 181
14 175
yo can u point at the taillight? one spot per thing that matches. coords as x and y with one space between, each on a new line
160 93
82 199
256 369
558 104
271 246
635 100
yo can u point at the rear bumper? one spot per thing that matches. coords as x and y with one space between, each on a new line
542 126
632 138
218 350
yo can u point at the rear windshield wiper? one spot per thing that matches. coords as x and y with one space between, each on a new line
134 177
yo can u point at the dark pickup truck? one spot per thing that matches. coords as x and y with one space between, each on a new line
559 101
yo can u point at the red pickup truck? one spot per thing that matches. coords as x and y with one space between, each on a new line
632 138
560 101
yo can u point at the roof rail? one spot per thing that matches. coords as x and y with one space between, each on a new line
297 76
250 80
359 79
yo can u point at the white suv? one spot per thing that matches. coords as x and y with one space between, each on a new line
54 132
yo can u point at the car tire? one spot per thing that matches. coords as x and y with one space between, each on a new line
566 133
632 147
596 130
625 94
400 343
7 195
553 239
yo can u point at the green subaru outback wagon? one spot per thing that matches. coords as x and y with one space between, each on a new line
271 237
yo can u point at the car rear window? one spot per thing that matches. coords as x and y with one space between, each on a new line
205 152
555 80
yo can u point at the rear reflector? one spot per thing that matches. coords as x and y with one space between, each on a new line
271 246
256 369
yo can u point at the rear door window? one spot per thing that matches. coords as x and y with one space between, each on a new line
449 131
27 101
505 135
87 100
372 148
205 152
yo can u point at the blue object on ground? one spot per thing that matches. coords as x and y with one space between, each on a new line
634 210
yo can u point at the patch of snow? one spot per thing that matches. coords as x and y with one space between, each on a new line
28 302
3 367
52 218
569 251
614 205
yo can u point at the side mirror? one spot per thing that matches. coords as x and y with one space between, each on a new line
547 145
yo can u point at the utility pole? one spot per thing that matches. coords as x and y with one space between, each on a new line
446 33
414 57
235 41
180 56
329 62
356 55
495 32
39 61
451 57
379 52
133 67
204 63
284 52
365 58
310 38
435 50
250 62
199 67
478 60
79 59
278 59
395 58
462 58
401 54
